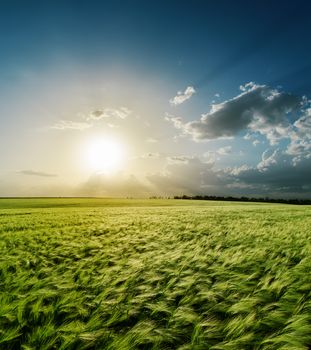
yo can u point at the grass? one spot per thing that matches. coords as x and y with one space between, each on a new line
154 274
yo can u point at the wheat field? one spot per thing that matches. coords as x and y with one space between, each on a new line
154 274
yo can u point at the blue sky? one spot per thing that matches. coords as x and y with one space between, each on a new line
63 60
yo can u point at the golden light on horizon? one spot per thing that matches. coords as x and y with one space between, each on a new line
105 155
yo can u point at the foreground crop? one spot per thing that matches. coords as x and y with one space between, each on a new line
155 275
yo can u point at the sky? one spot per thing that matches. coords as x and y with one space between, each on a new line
155 98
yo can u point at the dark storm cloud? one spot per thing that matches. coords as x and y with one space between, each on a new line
259 108
36 173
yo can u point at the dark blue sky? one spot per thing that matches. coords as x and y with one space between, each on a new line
201 42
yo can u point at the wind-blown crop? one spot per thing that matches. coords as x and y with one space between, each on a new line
154 275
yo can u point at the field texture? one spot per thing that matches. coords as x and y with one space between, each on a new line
153 274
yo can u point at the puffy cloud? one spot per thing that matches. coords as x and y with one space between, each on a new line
224 151
252 137
121 113
300 138
268 159
176 121
36 173
71 125
181 97
259 108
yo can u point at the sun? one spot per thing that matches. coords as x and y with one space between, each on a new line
105 155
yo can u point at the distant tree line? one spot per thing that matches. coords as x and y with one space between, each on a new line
247 199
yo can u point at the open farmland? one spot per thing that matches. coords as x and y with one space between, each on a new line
154 274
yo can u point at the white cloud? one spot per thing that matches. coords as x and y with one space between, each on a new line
300 138
120 113
92 117
176 121
224 151
71 125
268 159
179 159
181 97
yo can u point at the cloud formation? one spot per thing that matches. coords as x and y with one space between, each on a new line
181 97
70 125
224 151
186 175
36 173
300 138
121 113
258 108
92 117
276 173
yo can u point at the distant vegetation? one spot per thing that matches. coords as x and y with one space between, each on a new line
154 274
247 199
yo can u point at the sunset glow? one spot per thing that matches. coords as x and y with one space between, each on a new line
105 155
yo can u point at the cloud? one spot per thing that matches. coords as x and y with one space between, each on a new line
36 173
259 108
278 173
150 155
252 137
179 159
176 121
152 140
300 138
121 113
93 116
70 125
224 151
186 175
181 97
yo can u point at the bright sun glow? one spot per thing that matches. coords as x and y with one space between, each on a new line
105 155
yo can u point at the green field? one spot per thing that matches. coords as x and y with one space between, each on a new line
154 274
